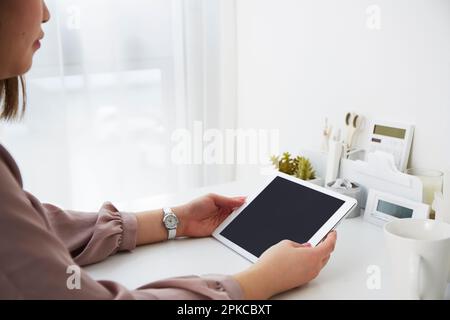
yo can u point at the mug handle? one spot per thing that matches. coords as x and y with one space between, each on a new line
416 276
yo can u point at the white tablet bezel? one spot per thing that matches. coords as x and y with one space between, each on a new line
330 225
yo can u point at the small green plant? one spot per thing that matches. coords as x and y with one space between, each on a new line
305 170
299 167
285 163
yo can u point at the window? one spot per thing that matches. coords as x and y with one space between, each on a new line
110 84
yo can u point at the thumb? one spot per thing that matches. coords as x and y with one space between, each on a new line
326 247
228 202
240 200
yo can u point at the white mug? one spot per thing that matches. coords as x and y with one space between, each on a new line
420 256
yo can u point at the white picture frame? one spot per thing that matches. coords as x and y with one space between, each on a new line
381 206
330 225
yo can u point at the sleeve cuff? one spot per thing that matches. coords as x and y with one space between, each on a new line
129 233
228 284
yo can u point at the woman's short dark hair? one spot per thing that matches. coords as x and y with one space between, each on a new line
10 90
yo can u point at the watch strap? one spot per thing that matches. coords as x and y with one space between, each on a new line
172 232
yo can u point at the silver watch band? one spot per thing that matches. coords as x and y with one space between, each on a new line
172 232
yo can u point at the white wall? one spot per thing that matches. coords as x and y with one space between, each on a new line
303 60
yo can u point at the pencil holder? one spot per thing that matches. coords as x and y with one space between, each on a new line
348 189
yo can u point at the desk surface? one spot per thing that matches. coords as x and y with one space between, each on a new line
359 253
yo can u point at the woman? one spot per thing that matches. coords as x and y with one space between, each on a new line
39 242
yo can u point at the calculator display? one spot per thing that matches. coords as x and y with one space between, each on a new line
394 210
390 132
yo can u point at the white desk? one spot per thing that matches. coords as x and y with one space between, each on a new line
359 246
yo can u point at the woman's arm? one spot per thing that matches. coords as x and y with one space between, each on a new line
36 262
36 265
150 228
198 218
92 237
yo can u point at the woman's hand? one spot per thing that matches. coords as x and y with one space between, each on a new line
200 217
285 266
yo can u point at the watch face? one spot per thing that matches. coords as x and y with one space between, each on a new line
171 221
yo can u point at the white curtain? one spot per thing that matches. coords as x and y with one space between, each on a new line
112 82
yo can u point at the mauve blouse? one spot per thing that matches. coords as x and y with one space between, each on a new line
39 242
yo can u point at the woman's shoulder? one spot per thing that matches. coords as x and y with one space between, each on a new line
18 208
9 165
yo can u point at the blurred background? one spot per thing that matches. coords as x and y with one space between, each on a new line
111 83
114 79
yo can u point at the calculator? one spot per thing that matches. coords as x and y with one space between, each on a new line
393 138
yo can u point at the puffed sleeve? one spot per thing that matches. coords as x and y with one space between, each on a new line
92 237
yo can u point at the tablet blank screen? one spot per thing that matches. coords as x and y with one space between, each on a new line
284 210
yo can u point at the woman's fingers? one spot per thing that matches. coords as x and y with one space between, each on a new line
325 248
298 245
227 202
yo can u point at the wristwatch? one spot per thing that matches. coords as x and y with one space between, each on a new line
170 221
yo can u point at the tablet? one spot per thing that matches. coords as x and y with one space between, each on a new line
285 208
